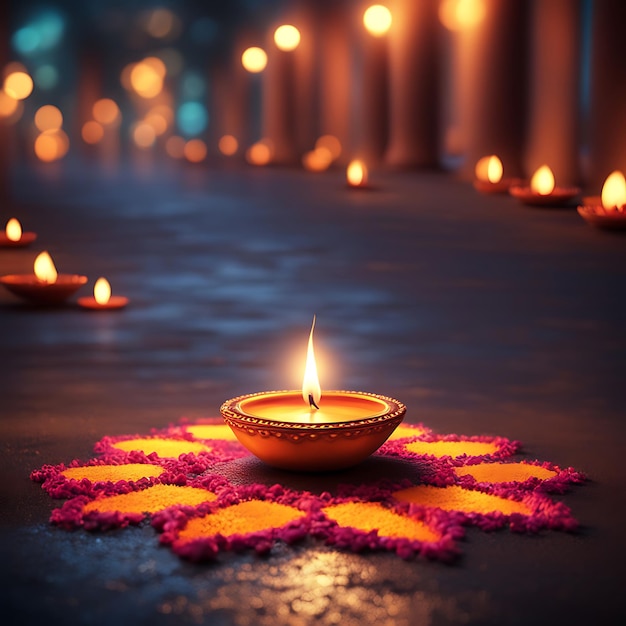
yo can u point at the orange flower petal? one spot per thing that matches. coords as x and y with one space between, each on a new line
151 500
452 448
455 498
113 473
165 448
406 431
504 472
242 518
368 516
212 431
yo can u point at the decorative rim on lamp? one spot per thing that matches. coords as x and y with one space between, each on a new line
321 445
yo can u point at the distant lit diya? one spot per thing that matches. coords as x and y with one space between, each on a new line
609 210
489 176
102 299
543 191
45 286
357 176
14 237
295 430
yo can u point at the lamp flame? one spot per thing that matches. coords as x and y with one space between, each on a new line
102 291
494 169
311 390
13 230
489 169
44 268
356 173
542 181
614 191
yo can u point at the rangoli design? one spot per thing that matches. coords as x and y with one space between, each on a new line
171 479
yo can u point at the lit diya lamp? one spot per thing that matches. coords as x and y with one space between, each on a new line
45 286
14 237
489 179
307 431
609 209
543 190
357 175
102 299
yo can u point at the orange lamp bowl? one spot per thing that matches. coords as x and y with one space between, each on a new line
283 432
596 215
29 287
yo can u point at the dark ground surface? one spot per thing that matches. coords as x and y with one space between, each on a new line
483 316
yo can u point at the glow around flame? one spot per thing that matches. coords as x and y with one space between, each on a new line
14 230
44 268
614 191
356 173
102 291
542 181
311 383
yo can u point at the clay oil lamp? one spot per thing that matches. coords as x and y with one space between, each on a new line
102 299
543 191
608 210
45 286
307 430
14 237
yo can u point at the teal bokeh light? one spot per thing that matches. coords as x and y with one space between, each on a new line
192 118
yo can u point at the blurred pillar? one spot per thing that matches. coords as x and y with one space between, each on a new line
414 84
372 124
279 103
334 74
494 56
5 148
305 57
554 113
236 98
607 123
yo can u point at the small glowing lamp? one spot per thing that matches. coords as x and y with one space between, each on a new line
102 298
377 20
614 191
14 237
494 169
44 268
13 230
254 60
45 286
543 191
287 37
489 176
356 174
542 181
102 291
609 210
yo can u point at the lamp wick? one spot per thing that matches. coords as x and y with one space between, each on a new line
312 402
